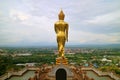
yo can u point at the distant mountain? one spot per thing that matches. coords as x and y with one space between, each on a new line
96 45
72 46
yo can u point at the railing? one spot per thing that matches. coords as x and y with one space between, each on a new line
18 73
100 73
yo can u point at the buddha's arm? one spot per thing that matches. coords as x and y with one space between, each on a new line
55 28
67 27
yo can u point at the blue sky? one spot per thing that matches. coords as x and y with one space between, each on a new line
31 22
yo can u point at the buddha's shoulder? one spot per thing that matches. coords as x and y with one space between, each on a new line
61 22
57 22
65 22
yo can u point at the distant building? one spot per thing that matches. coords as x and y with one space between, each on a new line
70 53
24 54
26 64
106 60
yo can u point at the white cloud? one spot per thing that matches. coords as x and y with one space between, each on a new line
110 18
88 37
18 15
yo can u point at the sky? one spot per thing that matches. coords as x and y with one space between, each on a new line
31 22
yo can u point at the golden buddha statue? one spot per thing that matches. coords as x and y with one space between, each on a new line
61 29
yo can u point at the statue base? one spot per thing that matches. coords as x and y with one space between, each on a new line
61 60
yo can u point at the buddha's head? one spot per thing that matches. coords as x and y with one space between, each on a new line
61 15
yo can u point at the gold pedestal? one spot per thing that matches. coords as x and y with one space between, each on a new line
61 60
